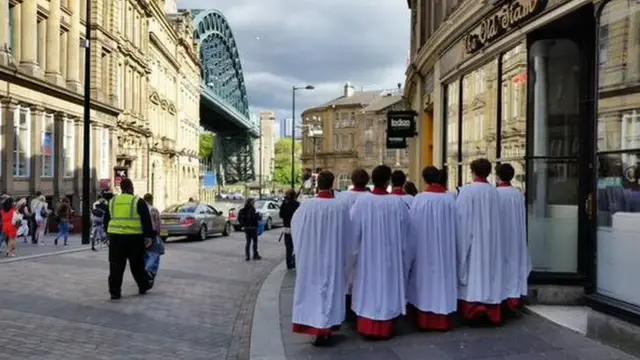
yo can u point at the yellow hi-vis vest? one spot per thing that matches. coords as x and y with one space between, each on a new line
125 219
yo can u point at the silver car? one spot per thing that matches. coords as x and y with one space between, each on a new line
270 211
193 219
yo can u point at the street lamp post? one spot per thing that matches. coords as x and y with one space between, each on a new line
86 170
293 130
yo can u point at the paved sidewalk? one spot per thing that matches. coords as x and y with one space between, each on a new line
526 338
58 307
29 249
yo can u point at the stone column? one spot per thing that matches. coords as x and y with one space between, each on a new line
4 33
58 142
37 114
52 72
9 108
29 44
16 13
79 160
73 48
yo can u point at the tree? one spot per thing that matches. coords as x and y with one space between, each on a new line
207 142
282 162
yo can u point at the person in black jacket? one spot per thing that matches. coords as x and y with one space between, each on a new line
249 217
289 206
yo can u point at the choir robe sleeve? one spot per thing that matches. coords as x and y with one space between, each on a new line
464 210
297 224
355 238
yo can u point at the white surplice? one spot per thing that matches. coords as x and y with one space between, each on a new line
320 229
349 198
433 282
381 226
517 263
479 247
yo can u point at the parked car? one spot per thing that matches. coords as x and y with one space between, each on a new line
194 219
269 209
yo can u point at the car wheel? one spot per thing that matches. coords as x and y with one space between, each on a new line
227 229
237 227
268 225
203 233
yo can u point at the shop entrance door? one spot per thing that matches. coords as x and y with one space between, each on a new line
560 147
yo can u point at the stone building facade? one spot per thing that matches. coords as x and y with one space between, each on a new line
353 134
41 96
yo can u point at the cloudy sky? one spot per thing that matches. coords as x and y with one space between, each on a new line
320 42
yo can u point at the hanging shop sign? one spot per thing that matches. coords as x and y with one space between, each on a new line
119 173
510 15
400 126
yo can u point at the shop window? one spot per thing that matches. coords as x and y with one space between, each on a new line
618 183
451 139
513 129
47 145
478 136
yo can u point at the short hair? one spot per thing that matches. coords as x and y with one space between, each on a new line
410 188
443 177
505 172
7 204
359 178
290 194
431 175
148 197
38 193
126 185
380 176
325 180
481 168
398 178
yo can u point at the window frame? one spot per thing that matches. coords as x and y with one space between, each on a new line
105 152
68 148
16 144
43 131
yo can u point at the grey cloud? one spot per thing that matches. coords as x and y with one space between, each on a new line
325 43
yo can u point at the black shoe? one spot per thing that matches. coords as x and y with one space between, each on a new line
247 259
257 257
115 297
142 291
321 340
55 242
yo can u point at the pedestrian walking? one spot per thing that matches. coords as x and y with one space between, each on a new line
33 223
249 218
11 220
288 208
130 233
153 253
321 231
41 210
64 217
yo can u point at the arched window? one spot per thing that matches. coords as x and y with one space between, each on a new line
344 180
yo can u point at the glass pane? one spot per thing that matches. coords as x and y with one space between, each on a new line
553 215
479 109
556 66
618 194
514 95
451 118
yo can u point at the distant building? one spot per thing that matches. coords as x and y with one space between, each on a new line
285 128
266 146
353 127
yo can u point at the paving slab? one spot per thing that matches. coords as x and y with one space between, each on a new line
524 338
58 307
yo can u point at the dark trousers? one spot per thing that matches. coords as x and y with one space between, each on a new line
288 245
252 236
121 249
33 227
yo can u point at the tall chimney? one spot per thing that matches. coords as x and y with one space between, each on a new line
348 89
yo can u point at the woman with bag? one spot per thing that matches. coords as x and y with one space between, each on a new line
11 220
250 219
41 209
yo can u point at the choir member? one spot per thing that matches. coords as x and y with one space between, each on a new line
381 224
432 286
321 233
480 253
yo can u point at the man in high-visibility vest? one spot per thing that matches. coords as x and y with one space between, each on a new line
130 232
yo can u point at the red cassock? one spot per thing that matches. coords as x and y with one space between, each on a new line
375 328
430 321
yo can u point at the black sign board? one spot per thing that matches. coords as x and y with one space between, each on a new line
401 124
509 15
396 143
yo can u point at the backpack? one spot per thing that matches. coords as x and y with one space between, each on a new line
97 212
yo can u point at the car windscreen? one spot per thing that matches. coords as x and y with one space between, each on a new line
183 208
259 204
